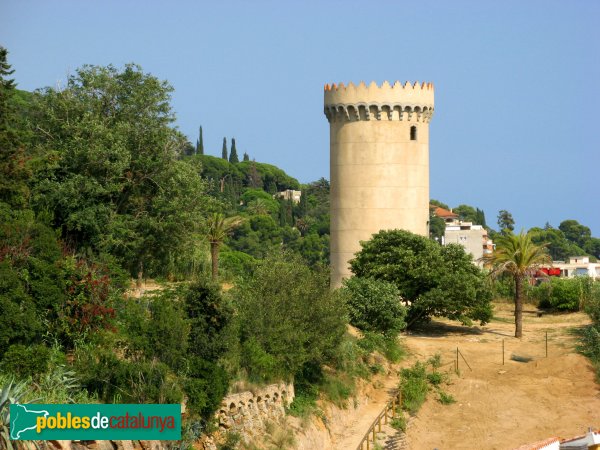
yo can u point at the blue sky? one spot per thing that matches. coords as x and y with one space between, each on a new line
517 82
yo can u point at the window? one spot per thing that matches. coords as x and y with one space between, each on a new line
413 133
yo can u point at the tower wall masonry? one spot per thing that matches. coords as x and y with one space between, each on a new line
379 163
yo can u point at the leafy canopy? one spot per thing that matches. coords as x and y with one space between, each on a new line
432 280
288 318
374 305
112 176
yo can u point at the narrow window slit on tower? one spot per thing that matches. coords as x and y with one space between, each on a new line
413 133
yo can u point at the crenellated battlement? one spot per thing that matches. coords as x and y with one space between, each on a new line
408 101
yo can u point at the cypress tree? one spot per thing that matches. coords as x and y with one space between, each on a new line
303 205
246 157
233 156
224 151
200 144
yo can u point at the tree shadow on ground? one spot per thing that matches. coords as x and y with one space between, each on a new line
442 329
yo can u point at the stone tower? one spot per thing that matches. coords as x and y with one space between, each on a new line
379 151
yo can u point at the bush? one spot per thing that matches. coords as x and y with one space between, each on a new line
205 387
445 398
305 401
236 263
338 388
563 294
374 305
589 344
435 378
399 423
592 304
26 361
288 317
388 346
210 317
414 387
119 381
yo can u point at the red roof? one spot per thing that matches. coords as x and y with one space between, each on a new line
443 213
539 445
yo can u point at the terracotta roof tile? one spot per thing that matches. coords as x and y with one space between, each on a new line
540 445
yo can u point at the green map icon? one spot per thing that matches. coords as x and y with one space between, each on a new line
23 419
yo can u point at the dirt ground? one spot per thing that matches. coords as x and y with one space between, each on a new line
503 406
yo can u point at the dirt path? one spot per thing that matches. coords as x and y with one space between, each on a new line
504 406
353 432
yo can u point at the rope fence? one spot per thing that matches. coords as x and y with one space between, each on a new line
460 355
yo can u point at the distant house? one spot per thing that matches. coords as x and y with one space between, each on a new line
443 213
474 238
289 194
546 444
588 441
576 266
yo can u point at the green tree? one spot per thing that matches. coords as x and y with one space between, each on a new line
557 245
254 179
480 217
592 246
111 173
209 316
505 221
374 305
437 226
465 213
14 162
438 203
517 256
433 280
575 232
224 149
288 317
219 227
246 157
233 156
200 143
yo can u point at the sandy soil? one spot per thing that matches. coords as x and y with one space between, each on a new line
359 423
503 406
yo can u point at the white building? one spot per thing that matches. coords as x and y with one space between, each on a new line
473 238
290 194
578 266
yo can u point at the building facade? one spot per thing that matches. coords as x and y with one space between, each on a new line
379 164
474 238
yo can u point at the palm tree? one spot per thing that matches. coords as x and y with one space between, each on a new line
219 227
258 207
519 257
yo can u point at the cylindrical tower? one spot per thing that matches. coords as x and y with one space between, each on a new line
379 151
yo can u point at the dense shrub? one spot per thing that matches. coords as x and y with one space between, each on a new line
236 263
25 361
414 387
589 343
287 317
210 316
115 380
563 294
156 328
374 305
205 386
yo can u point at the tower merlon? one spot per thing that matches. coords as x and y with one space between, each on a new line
408 101
415 93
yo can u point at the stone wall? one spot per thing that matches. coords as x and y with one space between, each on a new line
248 412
